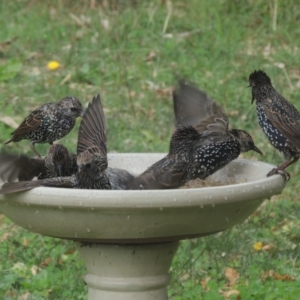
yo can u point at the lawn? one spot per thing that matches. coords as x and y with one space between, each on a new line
131 52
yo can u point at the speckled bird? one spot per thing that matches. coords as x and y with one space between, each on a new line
218 145
278 118
57 162
170 171
201 145
48 123
91 157
120 179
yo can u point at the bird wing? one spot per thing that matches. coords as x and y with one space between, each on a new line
92 130
193 107
164 174
14 187
20 167
285 117
31 122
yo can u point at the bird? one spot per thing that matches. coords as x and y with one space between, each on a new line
48 123
219 144
57 162
201 144
170 171
91 157
278 119
120 179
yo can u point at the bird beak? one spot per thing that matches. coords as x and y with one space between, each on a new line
59 170
81 113
257 150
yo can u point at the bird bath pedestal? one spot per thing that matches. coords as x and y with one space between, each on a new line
128 239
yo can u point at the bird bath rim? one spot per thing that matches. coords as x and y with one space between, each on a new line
165 198
111 216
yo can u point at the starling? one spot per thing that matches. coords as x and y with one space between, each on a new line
58 162
218 144
279 120
170 171
91 157
48 123
201 145
120 179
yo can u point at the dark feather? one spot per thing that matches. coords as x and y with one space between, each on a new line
285 118
278 118
59 182
193 107
92 131
30 123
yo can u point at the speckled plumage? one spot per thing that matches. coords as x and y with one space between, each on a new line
279 119
91 157
218 144
57 162
49 122
201 144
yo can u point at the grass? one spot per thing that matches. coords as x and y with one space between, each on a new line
131 53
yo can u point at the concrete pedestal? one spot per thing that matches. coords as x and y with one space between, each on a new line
128 271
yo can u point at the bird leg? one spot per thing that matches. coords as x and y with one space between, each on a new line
281 169
34 150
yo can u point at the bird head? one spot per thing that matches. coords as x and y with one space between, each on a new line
72 106
258 80
245 140
59 156
91 163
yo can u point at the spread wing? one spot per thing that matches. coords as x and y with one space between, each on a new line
285 117
92 130
21 186
20 167
193 107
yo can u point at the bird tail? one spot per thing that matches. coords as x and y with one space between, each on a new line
20 186
10 140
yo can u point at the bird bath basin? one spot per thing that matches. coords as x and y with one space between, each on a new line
128 239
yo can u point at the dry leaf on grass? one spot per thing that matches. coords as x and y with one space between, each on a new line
229 293
151 56
25 296
26 242
276 276
231 275
70 251
4 46
204 283
34 270
46 262
164 91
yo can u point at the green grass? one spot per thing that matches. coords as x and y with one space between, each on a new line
129 53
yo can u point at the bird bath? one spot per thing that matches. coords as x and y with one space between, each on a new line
128 239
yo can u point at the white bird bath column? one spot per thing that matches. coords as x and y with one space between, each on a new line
128 239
